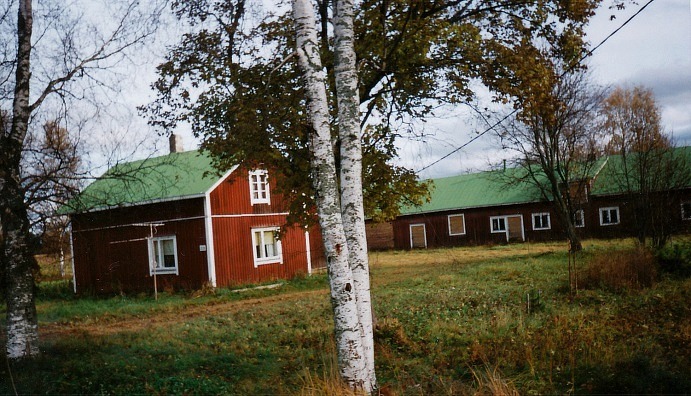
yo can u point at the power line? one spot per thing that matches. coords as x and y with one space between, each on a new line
587 54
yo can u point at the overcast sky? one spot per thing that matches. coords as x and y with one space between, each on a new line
653 50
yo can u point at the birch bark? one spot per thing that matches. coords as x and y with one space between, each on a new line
352 208
22 322
346 324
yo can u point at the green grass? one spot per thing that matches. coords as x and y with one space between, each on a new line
449 321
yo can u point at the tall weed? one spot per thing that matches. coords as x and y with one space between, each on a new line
623 270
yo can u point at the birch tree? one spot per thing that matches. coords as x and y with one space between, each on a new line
348 329
33 70
648 169
346 80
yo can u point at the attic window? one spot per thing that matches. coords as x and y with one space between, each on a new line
163 255
259 187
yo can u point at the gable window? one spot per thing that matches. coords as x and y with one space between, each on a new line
259 187
609 216
579 218
498 224
686 210
541 221
457 224
267 246
163 255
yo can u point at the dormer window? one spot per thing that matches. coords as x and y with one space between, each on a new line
259 187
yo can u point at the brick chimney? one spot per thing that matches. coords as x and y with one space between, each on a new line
175 143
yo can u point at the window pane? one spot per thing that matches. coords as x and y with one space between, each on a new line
157 254
270 244
456 225
258 244
168 248
615 216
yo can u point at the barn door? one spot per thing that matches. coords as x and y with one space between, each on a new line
418 236
515 228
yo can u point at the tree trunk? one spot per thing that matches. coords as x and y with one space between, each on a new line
352 208
17 252
346 324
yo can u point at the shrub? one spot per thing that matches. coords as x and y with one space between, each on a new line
621 270
676 259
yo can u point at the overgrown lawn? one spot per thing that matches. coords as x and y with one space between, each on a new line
451 321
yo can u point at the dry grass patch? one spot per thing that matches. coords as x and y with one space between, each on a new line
631 269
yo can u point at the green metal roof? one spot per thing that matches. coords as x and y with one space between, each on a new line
609 180
503 187
492 188
169 177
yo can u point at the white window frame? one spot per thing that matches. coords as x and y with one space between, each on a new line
462 216
684 214
609 209
497 230
542 216
259 190
424 233
155 263
277 258
579 214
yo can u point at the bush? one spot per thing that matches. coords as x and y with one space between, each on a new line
676 259
621 270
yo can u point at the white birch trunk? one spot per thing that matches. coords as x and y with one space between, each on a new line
352 208
22 322
346 324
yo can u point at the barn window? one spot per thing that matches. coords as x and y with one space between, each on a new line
163 255
259 187
579 218
418 236
498 224
541 221
609 216
686 210
457 224
267 246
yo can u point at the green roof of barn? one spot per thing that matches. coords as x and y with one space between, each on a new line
474 190
170 177
607 181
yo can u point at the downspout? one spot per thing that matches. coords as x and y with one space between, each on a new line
309 252
209 228
74 273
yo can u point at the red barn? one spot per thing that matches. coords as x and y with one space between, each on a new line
172 222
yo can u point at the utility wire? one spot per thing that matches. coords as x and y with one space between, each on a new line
491 127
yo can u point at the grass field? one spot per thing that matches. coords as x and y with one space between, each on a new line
453 321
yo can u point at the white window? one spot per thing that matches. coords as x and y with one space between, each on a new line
163 255
266 246
457 224
418 236
686 210
541 221
579 218
609 216
498 224
259 187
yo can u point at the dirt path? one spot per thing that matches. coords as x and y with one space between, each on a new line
108 326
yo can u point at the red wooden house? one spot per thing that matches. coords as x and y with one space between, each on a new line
173 222
483 208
